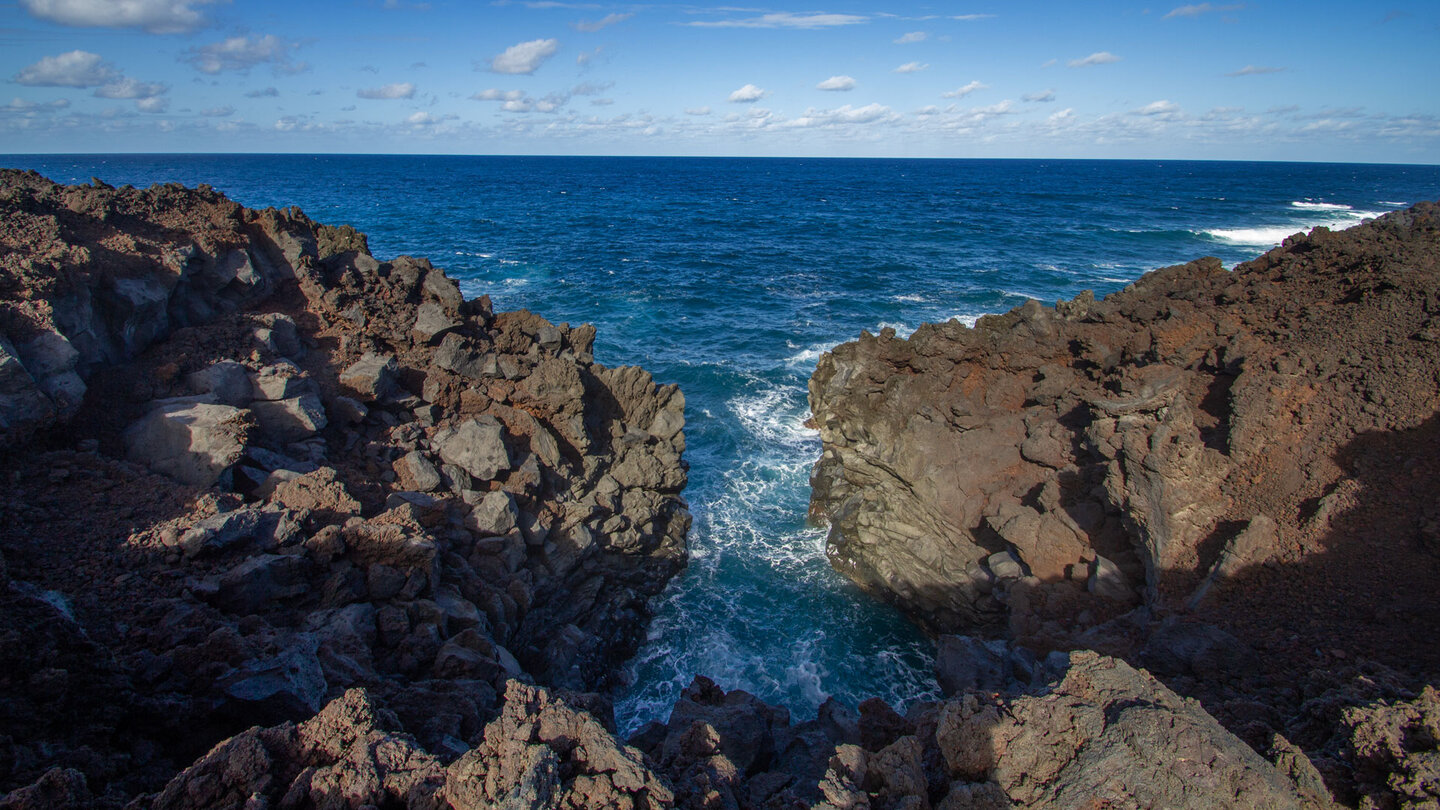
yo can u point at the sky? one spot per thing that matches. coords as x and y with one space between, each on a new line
1265 80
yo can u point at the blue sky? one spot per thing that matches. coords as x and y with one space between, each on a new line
1329 81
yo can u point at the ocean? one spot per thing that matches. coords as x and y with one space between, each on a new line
731 277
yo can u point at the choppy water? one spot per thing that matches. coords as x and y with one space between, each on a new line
731 276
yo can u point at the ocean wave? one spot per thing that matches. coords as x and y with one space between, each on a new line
966 320
775 415
1271 235
1320 206
909 299
901 330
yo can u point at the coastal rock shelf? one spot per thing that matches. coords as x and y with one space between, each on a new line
287 526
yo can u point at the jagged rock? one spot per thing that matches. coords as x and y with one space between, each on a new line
226 380
289 684
59 788
476 445
417 472
1110 735
1396 750
371 378
319 491
289 420
193 443
494 515
201 613
542 753
351 755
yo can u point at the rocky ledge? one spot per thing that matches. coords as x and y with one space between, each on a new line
1228 477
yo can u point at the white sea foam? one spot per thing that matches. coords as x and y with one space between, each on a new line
967 320
1320 206
901 330
775 416
909 299
1340 218
1395 204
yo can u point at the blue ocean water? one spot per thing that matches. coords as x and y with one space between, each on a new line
731 276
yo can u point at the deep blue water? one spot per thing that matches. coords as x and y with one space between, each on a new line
730 276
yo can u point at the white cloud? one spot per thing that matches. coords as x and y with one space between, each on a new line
1042 97
1097 58
591 26
1162 107
601 102
131 88
153 104
498 95
970 17
389 91
747 94
242 53
837 83
590 88
697 110
421 119
155 16
525 57
961 92
585 57
72 69
1066 114
218 112
846 115
1197 10
264 92
911 67
1255 70
22 106
913 36
785 20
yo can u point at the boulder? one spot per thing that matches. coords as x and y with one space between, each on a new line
372 378
289 420
1109 735
193 443
476 445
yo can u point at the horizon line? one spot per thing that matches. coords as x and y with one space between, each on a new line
705 157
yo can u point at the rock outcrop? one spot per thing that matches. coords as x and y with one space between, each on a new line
1147 448
1225 476
250 467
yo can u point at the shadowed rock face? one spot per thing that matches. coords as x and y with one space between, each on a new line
1052 468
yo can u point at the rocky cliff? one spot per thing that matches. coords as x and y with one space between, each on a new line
249 466
286 526
1227 476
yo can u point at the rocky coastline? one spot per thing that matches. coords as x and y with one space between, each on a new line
287 526
1227 477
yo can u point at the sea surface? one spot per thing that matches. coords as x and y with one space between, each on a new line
732 276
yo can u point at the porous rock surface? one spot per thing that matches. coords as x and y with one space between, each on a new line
1229 477
249 467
